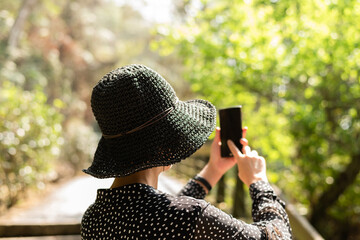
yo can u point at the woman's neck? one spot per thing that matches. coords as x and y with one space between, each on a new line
148 176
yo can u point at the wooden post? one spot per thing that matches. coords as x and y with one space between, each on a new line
239 199
220 193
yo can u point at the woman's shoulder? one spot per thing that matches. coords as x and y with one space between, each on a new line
186 202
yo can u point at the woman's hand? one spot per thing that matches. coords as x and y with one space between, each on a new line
252 167
220 164
217 165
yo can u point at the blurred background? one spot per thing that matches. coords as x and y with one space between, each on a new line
293 65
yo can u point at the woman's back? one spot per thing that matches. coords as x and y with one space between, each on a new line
138 211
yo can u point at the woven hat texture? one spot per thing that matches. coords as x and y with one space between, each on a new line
130 96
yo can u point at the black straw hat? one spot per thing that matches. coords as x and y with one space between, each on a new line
143 123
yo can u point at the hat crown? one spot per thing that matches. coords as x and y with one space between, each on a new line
128 96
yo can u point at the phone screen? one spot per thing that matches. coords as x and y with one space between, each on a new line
231 128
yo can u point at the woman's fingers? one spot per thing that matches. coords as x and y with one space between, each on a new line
254 153
244 130
217 140
244 142
246 149
217 134
235 151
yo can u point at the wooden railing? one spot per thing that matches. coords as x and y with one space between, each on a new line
301 227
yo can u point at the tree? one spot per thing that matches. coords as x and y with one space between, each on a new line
30 138
294 65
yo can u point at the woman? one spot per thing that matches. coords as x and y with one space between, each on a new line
146 129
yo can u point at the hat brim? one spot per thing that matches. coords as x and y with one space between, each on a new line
170 140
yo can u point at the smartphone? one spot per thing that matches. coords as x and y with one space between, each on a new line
231 128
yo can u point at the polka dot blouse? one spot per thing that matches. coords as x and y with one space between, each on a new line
138 211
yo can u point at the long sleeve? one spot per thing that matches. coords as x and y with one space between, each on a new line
268 211
270 219
193 189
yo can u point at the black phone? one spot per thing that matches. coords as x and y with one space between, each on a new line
231 128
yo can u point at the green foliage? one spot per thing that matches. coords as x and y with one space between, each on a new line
30 137
295 68
57 50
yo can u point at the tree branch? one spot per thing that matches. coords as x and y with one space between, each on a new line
19 23
330 196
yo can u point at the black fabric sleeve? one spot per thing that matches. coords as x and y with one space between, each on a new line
270 219
193 189
268 211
